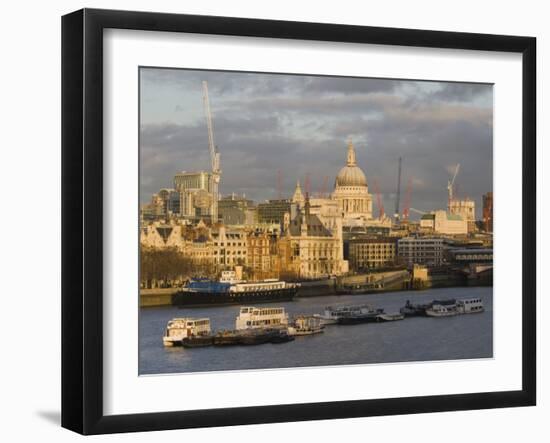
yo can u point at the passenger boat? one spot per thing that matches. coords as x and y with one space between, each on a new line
390 317
306 325
187 332
470 306
438 310
254 318
366 315
331 315
229 290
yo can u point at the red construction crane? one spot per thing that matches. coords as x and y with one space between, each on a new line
378 199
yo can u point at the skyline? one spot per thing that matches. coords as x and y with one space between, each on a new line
300 124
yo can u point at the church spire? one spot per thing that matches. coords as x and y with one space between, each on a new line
298 197
351 154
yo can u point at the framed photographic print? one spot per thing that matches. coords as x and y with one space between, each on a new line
309 220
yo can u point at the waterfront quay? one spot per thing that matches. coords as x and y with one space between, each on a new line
352 284
414 339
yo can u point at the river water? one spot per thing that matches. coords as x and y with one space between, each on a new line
412 339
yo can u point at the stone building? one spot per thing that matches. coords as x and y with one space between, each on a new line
442 222
159 234
351 191
230 247
308 249
427 251
259 255
372 253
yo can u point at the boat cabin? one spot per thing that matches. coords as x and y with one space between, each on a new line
251 317
470 305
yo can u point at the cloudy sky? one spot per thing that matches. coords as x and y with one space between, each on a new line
300 125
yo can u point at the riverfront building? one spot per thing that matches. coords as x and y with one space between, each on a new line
427 251
372 253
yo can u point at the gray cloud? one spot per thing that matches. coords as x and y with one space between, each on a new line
299 125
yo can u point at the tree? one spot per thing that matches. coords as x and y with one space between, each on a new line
163 265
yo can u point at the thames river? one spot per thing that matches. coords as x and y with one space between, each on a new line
412 339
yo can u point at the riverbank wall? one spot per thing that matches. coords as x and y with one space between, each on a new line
156 297
352 284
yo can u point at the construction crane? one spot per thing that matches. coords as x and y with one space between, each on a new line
451 183
398 193
378 199
214 154
418 211
324 187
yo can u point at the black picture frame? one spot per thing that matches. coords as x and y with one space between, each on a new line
82 220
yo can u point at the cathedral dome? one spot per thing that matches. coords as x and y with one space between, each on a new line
351 174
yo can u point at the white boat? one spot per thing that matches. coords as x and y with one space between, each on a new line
251 318
306 325
187 331
438 310
470 306
390 317
331 315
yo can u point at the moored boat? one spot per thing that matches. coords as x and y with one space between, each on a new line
332 315
305 325
470 306
188 332
230 290
366 315
255 318
415 310
390 317
438 310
